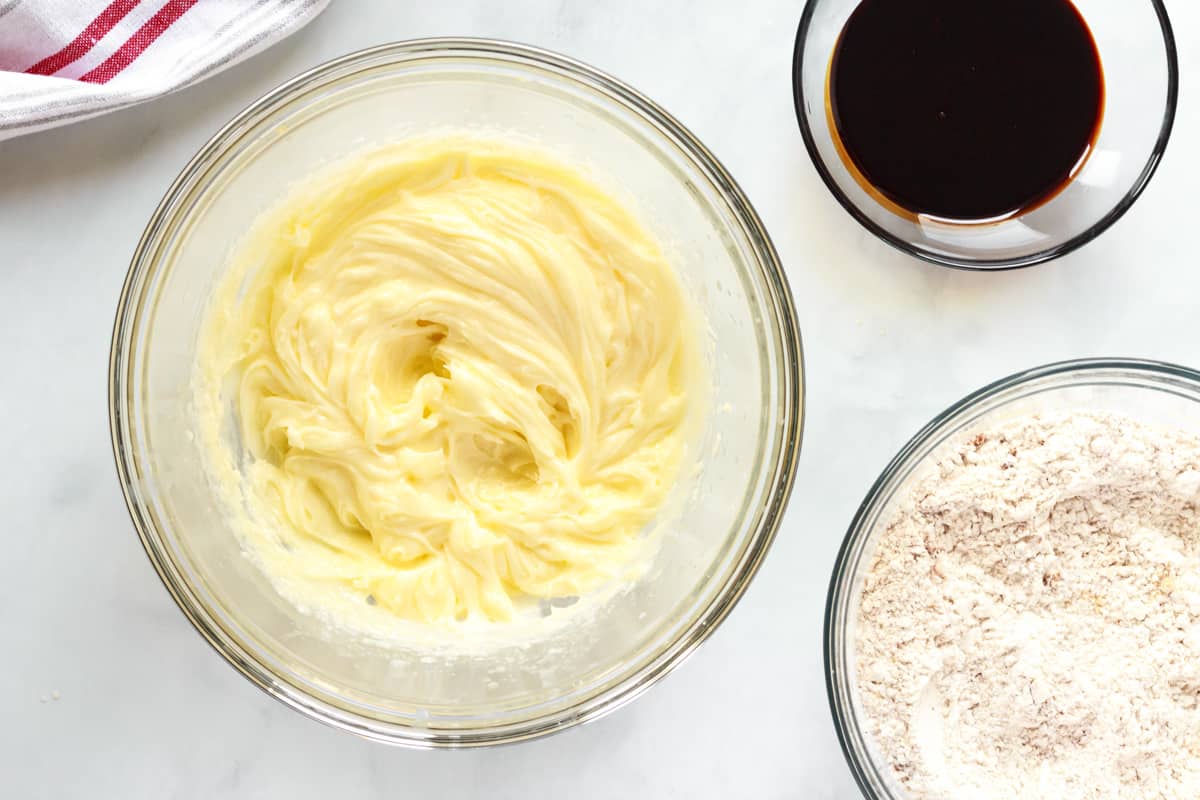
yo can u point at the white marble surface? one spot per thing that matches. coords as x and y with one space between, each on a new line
107 691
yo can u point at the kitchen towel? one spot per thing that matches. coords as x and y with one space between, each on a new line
66 60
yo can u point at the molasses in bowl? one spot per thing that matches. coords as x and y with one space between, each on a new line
989 134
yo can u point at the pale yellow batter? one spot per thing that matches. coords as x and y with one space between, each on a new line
462 379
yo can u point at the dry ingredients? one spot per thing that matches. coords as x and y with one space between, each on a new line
1030 624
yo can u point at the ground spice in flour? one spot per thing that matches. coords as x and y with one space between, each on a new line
1030 624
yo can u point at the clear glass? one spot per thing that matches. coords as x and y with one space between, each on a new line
722 518
1148 391
1141 80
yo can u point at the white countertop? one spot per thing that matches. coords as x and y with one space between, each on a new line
108 692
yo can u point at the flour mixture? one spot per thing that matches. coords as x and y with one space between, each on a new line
1030 624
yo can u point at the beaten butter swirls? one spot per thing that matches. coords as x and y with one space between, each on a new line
461 376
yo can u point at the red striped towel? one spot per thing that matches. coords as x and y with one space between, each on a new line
66 60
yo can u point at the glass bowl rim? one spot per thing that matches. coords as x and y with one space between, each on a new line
839 587
779 472
999 264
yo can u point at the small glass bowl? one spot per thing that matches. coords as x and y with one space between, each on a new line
424 691
1141 82
1148 391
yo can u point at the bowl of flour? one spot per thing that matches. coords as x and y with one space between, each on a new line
1015 611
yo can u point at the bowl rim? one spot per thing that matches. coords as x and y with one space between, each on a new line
779 472
839 587
1000 264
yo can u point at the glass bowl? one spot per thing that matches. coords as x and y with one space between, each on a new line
1149 391
1141 82
722 518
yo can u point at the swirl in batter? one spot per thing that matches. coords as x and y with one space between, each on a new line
461 375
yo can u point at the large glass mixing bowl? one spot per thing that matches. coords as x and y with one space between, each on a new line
726 512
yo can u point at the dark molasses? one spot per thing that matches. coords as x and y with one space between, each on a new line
965 109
